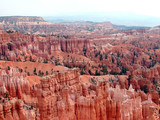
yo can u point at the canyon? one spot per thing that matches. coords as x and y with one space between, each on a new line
77 71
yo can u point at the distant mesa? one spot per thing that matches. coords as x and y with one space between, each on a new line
21 19
37 25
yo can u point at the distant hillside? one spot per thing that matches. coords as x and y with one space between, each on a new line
37 25
22 20
12 19
123 27
117 18
29 25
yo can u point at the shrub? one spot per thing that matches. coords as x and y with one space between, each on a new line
145 89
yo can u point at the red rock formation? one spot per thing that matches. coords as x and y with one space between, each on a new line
74 101
14 47
13 83
13 110
150 110
131 57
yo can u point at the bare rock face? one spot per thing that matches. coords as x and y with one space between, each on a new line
13 88
14 47
56 94
149 110
74 46
61 96
14 83
13 110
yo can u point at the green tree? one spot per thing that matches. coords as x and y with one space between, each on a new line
124 70
129 79
34 71
8 68
101 57
97 73
104 70
84 50
6 95
145 89
46 72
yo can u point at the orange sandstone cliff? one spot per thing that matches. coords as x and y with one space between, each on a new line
81 71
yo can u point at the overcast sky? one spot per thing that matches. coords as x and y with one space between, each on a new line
69 7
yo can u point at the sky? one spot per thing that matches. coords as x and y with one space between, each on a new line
121 8
64 7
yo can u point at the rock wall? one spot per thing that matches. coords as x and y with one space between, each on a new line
14 46
62 96
53 95
14 84
16 95
13 110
